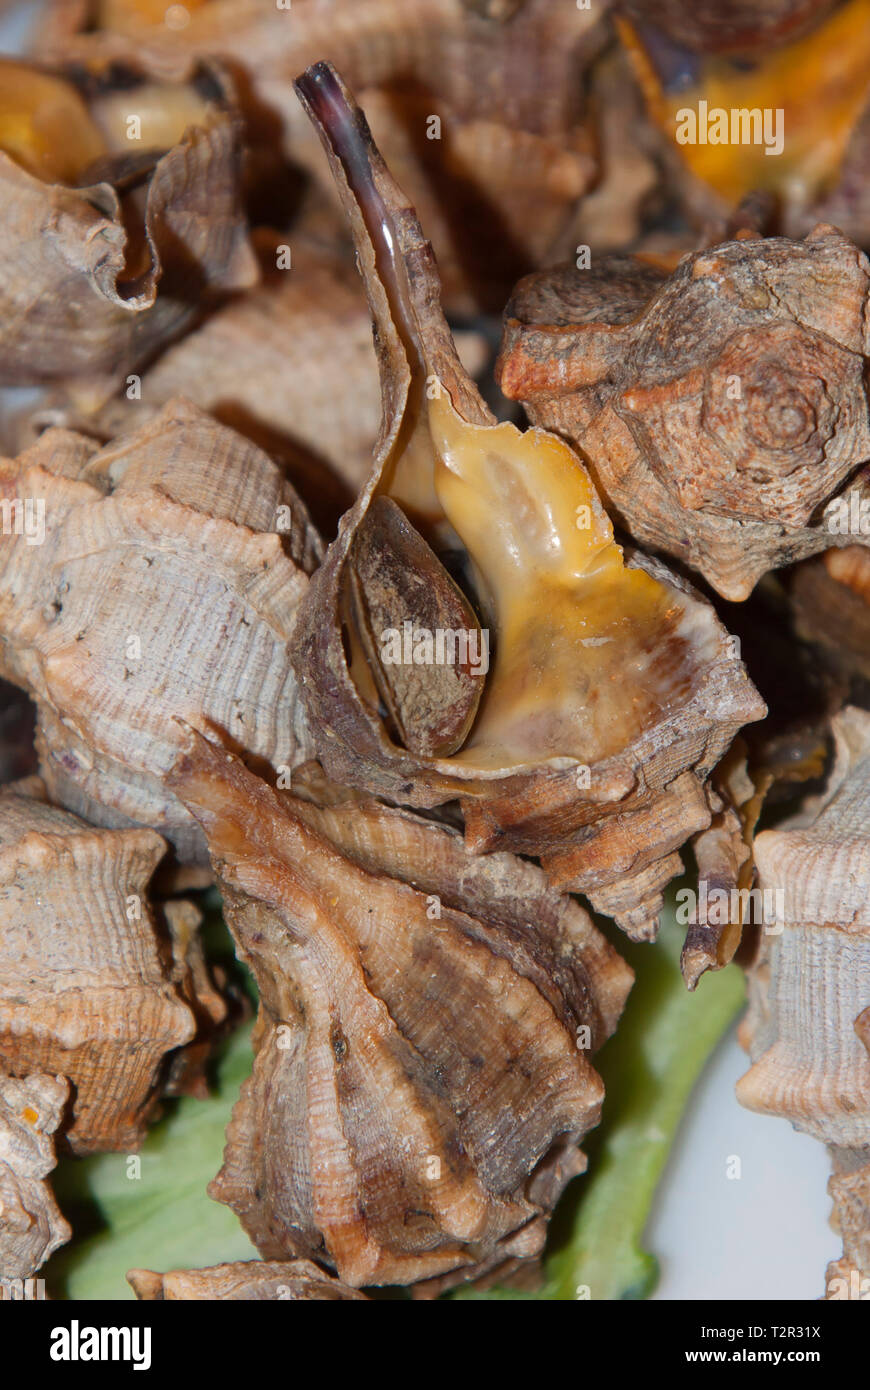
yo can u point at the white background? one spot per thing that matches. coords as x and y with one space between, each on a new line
764 1235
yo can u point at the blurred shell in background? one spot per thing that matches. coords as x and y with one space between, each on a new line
109 246
479 109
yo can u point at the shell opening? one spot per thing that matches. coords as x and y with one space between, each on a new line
586 652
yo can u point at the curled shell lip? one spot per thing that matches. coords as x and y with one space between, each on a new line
92 273
415 349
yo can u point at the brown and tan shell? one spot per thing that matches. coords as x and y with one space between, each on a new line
421 1079
722 408
295 1281
85 980
724 863
31 1225
109 247
614 833
184 540
849 1186
768 761
513 155
809 986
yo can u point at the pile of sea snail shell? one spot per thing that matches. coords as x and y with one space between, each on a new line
303 619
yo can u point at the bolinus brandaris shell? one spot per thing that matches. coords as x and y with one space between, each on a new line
113 235
164 587
421 1079
31 1225
722 409
294 1281
86 988
612 689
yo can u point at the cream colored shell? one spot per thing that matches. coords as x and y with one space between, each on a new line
31 1225
295 1281
165 588
809 988
85 981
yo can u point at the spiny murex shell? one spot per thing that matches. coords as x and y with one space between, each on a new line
165 587
808 1028
421 1079
613 689
85 983
31 1226
722 409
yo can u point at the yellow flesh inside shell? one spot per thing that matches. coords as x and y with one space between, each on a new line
588 653
162 113
47 128
585 653
45 125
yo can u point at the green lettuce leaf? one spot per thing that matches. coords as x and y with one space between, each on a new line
162 1219
649 1069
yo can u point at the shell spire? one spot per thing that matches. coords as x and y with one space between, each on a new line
722 408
